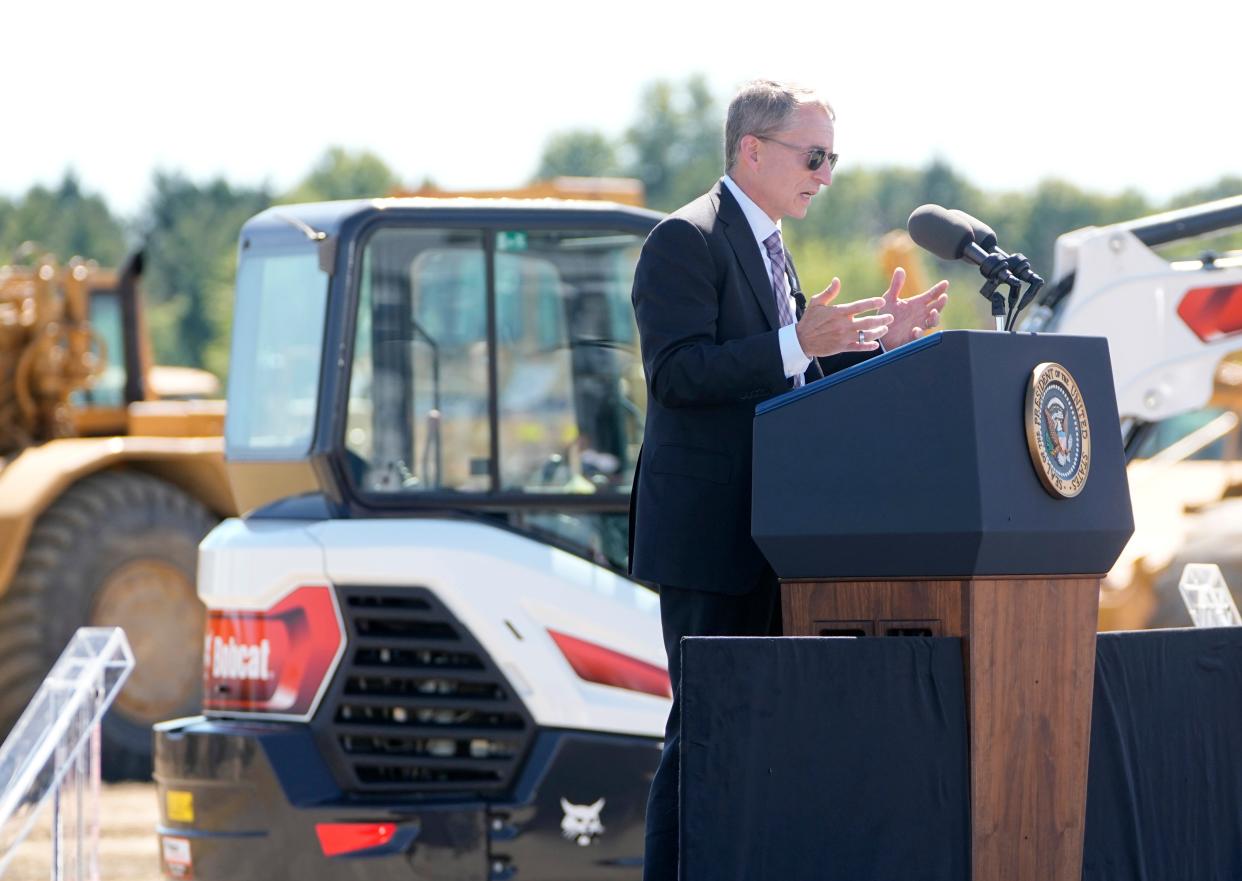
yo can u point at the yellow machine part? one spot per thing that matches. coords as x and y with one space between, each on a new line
260 483
47 350
898 249
36 477
175 419
622 190
1168 491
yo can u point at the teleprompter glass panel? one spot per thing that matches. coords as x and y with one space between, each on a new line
1207 596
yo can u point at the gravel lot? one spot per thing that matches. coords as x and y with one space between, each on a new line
128 847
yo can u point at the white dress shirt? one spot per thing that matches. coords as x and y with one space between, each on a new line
762 226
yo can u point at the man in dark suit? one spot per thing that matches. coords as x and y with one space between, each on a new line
722 326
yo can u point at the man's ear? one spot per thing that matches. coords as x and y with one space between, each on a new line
748 151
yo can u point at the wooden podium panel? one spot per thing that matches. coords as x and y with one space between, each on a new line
1029 659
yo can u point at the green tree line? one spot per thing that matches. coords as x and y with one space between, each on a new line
674 146
188 231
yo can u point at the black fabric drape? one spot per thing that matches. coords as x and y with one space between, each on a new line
825 759
1164 788
844 759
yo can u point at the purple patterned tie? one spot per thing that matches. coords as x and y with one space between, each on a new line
776 254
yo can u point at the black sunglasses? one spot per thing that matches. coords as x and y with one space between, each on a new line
815 157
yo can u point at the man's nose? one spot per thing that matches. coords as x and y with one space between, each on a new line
823 175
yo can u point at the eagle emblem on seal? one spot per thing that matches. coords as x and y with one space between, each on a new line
1057 431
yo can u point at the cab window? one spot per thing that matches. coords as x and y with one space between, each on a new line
278 325
418 393
569 390
571 394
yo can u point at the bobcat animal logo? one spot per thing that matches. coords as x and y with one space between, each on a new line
581 822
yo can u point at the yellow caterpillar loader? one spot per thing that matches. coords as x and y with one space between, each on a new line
107 484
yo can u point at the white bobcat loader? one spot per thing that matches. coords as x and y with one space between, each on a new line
1171 327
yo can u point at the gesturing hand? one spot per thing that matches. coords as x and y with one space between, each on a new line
827 329
913 317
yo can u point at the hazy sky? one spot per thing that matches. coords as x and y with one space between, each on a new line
467 92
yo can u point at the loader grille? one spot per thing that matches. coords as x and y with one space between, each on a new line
418 707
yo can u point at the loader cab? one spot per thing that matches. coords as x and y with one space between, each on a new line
74 336
119 399
411 357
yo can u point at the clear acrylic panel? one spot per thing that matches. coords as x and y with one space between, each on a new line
1207 597
52 754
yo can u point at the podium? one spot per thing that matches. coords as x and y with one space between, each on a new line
907 496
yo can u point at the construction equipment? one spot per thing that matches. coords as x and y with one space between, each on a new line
619 190
104 494
1172 327
422 629
897 250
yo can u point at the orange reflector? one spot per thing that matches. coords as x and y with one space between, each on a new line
594 663
341 838
1212 312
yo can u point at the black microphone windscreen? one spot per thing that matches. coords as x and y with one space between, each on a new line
938 231
985 237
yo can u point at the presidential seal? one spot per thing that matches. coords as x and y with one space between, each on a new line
1057 432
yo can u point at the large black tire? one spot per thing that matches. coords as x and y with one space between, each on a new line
117 548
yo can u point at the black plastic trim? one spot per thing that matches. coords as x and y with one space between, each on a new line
272 780
413 674
311 506
129 291
493 369
1172 226
1052 295
393 504
1133 440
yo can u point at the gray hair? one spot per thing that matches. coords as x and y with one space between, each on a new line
762 107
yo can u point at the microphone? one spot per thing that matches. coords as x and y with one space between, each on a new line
985 237
936 230
952 238
983 234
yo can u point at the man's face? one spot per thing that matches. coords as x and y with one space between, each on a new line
786 184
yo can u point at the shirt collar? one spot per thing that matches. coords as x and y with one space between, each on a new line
760 224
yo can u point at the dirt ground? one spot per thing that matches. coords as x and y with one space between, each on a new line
128 847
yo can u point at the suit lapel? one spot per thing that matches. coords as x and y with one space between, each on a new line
742 240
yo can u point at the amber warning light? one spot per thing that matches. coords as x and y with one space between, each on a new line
274 660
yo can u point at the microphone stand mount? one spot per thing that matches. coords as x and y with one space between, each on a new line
1020 266
995 270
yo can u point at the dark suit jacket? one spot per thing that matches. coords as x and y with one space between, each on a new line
707 325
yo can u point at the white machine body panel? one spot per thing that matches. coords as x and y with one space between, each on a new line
252 564
1127 292
507 589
